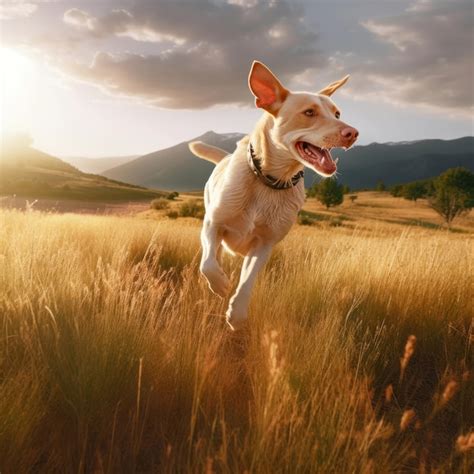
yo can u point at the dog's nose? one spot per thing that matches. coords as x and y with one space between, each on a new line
349 133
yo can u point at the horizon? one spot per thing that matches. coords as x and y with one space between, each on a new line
135 156
135 77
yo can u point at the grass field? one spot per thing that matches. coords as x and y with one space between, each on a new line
115 356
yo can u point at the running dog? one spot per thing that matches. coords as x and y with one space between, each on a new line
253 196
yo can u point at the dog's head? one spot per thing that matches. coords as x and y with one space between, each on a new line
307 125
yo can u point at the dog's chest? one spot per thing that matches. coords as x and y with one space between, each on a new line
275 208
267 215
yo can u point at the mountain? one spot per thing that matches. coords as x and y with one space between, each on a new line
97 165
176 168
397 163
25 171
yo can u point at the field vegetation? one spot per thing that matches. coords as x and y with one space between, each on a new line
115 356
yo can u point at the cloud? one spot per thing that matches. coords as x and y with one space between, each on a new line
429 60
118 22
184 55
206 49
12 9
420 5
79 18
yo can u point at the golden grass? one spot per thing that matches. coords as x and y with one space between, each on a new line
373 206
115 356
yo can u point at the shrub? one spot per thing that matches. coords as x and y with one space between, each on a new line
304 219
353 197
159 203
193 208
396 190
335 222
172 214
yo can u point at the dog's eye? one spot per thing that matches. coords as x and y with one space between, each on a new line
309 113
338 114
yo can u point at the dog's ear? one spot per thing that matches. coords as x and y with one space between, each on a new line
267 89
334 86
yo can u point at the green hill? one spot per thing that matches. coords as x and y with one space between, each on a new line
25 171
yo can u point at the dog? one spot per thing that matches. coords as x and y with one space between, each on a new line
253 195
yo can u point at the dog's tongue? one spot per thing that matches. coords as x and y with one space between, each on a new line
324 158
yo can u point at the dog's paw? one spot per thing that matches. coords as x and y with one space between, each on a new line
238 325
218 281
237 320
220 287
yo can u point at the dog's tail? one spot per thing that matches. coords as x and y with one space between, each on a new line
208 152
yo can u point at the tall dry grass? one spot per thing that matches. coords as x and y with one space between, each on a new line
114 356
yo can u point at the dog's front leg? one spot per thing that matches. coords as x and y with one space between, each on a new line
211 241
238 306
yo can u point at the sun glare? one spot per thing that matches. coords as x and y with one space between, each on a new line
18 78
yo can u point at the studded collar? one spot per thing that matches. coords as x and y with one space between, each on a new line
268 180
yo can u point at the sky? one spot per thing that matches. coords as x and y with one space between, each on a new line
108 78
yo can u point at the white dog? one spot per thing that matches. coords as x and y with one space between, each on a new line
254 195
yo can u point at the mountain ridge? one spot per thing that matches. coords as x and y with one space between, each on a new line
361 167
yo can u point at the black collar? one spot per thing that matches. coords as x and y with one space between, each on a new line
266 179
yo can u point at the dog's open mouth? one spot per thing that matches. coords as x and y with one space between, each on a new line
319 158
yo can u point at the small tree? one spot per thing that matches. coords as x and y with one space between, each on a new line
330 193
172 196
454 194
353 197
413 191
396 190
380 186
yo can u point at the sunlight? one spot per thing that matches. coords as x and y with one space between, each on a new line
17 84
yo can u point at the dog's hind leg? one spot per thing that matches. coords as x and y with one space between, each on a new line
211 241
238 306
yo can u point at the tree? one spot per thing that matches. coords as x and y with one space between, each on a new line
172 196
413 191
430 188
380 186
396 190
329 193
454 194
